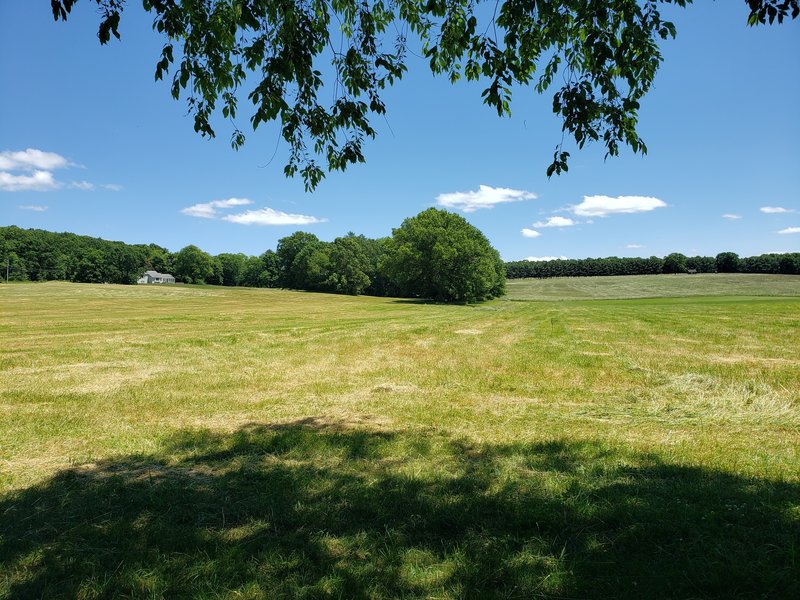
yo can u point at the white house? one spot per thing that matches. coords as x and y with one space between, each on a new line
156 277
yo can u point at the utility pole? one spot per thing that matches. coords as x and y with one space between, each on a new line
8 265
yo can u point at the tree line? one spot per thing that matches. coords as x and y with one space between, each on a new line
724 262
38 255
436 255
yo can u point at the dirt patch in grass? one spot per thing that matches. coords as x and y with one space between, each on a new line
394 388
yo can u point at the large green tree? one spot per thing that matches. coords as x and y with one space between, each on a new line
727 262
311 267
288 249
439 255
675 263
374 250
233 268
90 267
262 271
789 264
158 259
192 265
349 266
598 56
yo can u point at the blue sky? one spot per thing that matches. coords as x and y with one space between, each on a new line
90 143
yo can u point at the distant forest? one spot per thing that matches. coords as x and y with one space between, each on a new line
725 262
436 254
351 264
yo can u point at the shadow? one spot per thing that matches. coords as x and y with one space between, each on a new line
320 510
429 301
418 301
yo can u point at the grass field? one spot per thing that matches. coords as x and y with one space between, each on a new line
200 442
653 286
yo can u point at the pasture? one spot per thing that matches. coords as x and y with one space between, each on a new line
626 437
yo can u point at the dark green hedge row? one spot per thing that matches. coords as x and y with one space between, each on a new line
725 262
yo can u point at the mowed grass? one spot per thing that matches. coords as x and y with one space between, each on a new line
653 286
199 442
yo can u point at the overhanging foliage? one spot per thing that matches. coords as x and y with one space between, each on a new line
605 53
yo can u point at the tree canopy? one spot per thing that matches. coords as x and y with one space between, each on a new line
439 255
282 55
674 263
727 262
192 265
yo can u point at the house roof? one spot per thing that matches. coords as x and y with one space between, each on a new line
157 274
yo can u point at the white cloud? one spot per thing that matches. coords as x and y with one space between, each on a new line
545 258
114 187
37 181
261 216
269 216
31 170
731 216
770 210
485 197
789 230
231 202
208 210
32 160
32 207
602 206
556 222
634 246
82 185
530 233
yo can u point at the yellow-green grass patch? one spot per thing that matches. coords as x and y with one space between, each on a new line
212 442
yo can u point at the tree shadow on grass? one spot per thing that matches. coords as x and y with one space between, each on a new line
314 510
433 302
417 301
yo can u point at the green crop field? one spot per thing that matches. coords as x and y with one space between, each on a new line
634 437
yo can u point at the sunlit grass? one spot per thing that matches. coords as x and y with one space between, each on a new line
257 441
654 286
